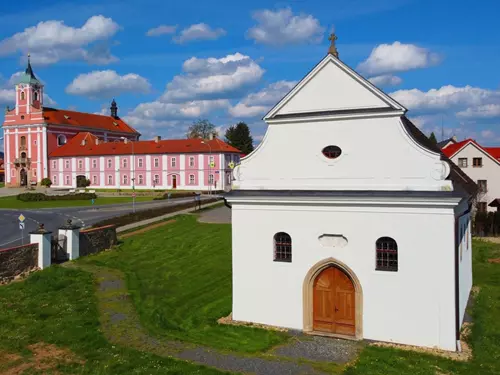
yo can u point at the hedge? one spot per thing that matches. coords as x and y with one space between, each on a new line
184 194
134 217
37 197
487 224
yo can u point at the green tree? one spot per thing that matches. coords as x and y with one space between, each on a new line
239 136
433 139
202 129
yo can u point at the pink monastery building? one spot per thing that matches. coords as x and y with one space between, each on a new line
66 146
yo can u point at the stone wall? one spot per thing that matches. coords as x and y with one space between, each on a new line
96 240
17 261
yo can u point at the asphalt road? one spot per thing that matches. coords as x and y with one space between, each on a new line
53 218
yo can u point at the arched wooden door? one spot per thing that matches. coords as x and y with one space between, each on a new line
23 177
334 307
174 181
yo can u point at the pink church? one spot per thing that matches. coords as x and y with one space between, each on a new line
67 146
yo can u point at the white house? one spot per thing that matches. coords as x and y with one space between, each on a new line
348 222
481 164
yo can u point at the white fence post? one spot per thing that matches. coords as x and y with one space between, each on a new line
42 237
72 234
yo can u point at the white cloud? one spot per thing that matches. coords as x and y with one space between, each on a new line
158 110
197 32
283 27
106 83
446 98
397 57
213 78
481 111
162 30
386 80
259 103
51 41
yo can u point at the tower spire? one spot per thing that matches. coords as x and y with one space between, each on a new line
333 48
29 69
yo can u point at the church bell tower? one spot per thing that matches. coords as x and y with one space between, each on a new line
29 92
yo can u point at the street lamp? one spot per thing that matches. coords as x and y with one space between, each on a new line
133 173
209 166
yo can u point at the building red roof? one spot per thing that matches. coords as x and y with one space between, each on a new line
87 144
452 149
86 120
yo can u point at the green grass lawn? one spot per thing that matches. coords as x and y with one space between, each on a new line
58 307
12 202
180 280
2 184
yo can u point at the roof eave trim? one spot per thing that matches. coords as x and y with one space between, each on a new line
346 116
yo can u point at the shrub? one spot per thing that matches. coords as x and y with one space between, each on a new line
82 181
134 217
38 197
486 223
46 182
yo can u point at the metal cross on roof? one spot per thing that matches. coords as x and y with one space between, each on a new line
333 49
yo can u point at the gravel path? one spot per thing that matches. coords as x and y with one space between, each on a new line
121 325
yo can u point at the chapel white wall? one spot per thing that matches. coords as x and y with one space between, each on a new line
415 305
377 154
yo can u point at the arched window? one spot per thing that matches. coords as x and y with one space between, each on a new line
282 247
61 140
387 254
22 95
35 96
125 179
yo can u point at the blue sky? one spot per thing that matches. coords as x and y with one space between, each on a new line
170 63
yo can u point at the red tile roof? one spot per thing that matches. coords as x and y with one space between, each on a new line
452 149
84 144
86 120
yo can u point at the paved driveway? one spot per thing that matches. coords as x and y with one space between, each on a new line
220 215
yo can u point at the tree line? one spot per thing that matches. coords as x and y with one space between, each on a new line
237 135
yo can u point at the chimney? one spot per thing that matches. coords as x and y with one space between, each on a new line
96 141
454 138
84 142
157 139
211 136
125 140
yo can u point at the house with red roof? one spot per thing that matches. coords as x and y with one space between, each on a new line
69 146
481 164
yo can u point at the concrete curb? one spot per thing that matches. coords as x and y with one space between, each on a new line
160 218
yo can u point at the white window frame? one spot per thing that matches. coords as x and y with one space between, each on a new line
124 163
125 179
156 162
110 179
156 179
66 164
54 164
139 163
110 163
80 164
140 180
94 180
94 163
173 162
191 179
191 161
66 180
54 179
211 179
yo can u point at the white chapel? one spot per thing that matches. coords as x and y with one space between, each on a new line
347 221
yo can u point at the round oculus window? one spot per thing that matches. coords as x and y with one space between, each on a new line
332 152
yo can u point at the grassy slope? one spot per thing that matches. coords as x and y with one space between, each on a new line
180 278
12 202
58 306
